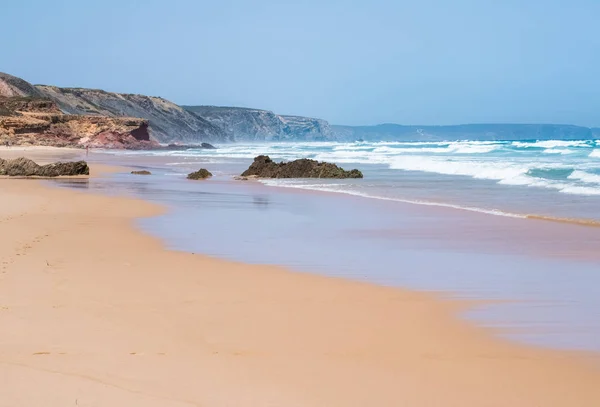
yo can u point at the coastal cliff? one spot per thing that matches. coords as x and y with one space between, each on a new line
167 122
244 124
11 86
35 121
51 115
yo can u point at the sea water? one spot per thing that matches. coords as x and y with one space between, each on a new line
553 178
443 216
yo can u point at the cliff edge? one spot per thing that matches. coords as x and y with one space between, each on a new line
244 124
167 122
28 118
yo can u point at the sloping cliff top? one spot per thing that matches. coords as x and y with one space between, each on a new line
11 86
168 121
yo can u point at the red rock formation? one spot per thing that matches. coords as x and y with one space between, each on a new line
34 121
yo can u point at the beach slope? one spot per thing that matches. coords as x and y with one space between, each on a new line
94 313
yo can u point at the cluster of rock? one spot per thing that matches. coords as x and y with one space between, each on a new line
142 172
24 167
264 167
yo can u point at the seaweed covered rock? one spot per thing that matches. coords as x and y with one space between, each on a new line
142 172
202 173
264 167
24 167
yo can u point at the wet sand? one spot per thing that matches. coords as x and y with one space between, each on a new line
95 313
540 276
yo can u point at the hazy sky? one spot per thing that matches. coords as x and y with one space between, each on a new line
350 62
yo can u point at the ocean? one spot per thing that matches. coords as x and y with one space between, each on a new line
553 178
510 224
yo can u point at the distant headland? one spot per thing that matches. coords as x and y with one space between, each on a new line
79 117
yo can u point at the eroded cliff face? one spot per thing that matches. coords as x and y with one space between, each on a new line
33 121
307 129
167 122
243 124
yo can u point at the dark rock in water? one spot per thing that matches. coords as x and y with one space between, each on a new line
264 167
24 167
143 172
209 146
200 174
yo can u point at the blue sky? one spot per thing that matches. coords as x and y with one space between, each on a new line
350 62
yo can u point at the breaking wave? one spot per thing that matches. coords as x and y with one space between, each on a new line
566 166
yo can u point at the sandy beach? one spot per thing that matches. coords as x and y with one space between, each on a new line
95 313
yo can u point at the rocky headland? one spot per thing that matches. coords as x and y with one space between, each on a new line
264 167
167 122
76 117
54 116
244 124
27 120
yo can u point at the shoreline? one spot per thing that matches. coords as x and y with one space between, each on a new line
583 221
44 152
492 212
88 302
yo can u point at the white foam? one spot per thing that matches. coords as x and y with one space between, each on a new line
476 169
490 160
473 149
459 147
403 150
563 151
585 177
352 157
551 143
580 190
594 154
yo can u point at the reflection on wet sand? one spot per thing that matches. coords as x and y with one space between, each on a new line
549 269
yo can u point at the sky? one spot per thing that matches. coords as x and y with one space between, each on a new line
349 62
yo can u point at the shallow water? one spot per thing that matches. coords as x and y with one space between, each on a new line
549 272
553 178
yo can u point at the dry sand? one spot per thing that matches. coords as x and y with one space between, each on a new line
94 313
